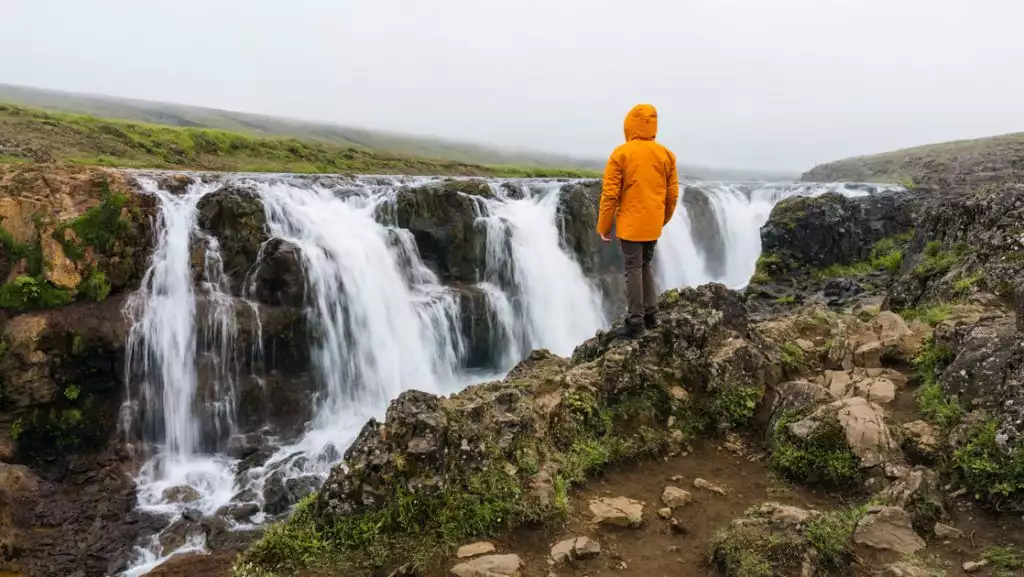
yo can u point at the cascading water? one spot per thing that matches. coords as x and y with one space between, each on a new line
557 304
380 323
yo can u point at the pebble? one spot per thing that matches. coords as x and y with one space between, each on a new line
665 513
707 486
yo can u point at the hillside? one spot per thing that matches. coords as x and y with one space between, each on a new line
347 137
955 163
28 135
260 125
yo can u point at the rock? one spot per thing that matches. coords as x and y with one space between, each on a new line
575 549
868 355
796 395
974 566
490 566
181 494
889 529
920 492
904 569
921 439
475 550
617 512
782 515
708 238
242 513
665 513
946 532
878 390
234 216
674 497
707 486
867 434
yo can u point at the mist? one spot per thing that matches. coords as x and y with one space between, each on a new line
779 85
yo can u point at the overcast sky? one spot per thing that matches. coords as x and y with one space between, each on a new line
771 84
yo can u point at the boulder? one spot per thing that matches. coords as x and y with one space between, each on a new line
921 440
920 492
944 531
867 434
617 512
575 549
181 494
674 497
890 529
489 566
475 550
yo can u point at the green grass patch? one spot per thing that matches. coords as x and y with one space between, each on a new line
993 472
786 300
963 286
932 400
831 535
736 406
822 458
793 358
1005 560
932 315
95 287
938 260
886 255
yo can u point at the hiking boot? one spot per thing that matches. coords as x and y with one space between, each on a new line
651 321
628 331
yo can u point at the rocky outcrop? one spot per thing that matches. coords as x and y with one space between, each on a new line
505 452
812 233
708 238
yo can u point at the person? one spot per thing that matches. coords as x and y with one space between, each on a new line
638 196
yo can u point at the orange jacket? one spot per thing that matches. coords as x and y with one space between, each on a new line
640 181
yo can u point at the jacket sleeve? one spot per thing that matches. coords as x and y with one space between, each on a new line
611 190
672 196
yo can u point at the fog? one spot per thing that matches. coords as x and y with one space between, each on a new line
782 84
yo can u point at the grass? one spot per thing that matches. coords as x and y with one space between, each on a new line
89 140
886 255
1005 560
932 400
831 535
938 259
793 358
932 315
994 473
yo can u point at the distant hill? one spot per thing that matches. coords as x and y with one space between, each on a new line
260 125
271 126
961 162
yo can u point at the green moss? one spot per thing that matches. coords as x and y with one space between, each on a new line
31 293
786 300
831 535
932 400
824 457
768 264
938 260
95 287
994 473
99 227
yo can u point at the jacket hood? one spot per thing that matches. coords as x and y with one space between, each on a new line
641 123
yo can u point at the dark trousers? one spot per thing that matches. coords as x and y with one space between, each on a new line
641 295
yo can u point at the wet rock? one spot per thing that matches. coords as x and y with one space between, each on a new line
707 237
178 534
475 550
707 486
220 536
490 566
442 219
279 279
618 512
193 515
575 549
889 529
181 494
241 513
674 497
234 215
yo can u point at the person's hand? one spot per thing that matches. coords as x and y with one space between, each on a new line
606 236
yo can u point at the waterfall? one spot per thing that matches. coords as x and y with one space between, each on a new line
558 305
379 321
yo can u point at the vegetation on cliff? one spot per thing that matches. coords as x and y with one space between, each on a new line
37 135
